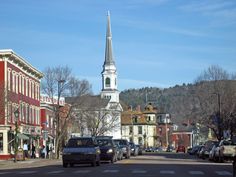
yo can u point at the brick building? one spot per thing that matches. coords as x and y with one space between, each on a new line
20 90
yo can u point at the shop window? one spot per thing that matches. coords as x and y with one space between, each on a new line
1 142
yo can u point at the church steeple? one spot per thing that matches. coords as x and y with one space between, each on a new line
109 75
108 51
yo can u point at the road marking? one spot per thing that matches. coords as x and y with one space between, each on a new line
110 171
27 172
139 171
2 173
196 173
82 171
223 173
55 172
167 172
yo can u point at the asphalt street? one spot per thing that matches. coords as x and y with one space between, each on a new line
147 165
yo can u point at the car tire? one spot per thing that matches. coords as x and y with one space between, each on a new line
94 163
65 165
98 162
71 164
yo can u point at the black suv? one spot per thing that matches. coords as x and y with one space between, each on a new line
81 150
108 148
125 147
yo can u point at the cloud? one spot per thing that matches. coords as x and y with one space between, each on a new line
221 12
153 26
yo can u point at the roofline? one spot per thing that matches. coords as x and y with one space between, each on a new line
10 52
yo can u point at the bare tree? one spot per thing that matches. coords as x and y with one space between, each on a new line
59 81
95 116
216 94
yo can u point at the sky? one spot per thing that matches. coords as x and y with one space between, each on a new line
156 43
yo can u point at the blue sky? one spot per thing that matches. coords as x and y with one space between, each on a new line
156 43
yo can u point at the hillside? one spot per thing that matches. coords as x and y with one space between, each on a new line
178 100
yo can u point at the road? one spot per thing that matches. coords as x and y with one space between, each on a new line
147 165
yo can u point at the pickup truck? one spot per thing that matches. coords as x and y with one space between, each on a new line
226 150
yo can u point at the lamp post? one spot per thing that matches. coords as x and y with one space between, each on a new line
219 115
16 113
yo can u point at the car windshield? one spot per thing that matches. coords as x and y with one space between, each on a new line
80 142
121 142
104 142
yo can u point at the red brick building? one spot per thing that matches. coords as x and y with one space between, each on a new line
20 90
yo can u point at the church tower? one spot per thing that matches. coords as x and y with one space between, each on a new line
109 74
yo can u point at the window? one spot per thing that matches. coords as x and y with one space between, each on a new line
20 83
108 82
9 79
130 130
30 88
140 130
1 142
140 140
13 81
23 85
16 83
9 112
26 87
33 89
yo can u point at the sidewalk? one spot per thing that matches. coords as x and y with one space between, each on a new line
29 163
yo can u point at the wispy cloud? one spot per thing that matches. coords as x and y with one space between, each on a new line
153 26
223 12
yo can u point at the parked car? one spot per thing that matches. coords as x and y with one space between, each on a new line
212 153
134 149
125 147
180 148
80 150
140 149
108 148
150 149
119 151
226 150
194 150
169 148
208 146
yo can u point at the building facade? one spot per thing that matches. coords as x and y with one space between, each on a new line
139 126
20 91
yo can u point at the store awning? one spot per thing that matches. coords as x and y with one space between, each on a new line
22 136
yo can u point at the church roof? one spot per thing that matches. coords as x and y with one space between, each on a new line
108 51
88 102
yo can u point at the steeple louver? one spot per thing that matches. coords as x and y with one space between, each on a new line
108 51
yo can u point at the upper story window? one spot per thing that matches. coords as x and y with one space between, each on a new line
26 87
33 89
20 77
23 84
13 81
9 78
108 82
16 83
30 91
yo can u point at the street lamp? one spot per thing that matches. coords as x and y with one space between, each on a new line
219 115
16 113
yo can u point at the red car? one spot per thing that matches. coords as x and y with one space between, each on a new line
180 149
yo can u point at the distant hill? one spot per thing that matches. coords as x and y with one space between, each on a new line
178 100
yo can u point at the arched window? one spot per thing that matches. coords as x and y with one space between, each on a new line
108 82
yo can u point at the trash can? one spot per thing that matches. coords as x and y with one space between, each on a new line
20 155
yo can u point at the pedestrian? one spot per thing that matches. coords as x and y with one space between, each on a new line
25 149
47 149
44 152
33 151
